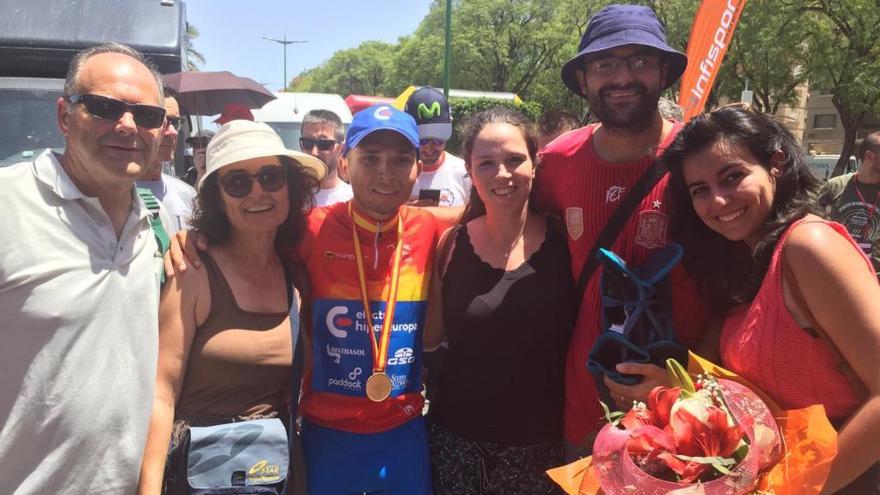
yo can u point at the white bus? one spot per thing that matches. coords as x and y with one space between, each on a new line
285 114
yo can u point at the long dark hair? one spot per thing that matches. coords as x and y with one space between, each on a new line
495 115
727 272
210 220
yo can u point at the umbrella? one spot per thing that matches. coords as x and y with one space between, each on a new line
205 93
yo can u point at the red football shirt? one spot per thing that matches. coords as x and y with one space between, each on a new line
575 182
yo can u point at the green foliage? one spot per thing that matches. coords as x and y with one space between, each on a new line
520 46
513 46
419 58
194 58
768 51
844 46
463 108
611 417
360 70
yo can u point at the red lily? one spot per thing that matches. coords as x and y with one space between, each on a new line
648 439
712 438
660 402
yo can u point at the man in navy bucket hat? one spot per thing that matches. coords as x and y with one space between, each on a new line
622 65
620 25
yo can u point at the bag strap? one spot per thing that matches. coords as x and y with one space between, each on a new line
295 276
842 364
295 381
618 219
162 239
444 250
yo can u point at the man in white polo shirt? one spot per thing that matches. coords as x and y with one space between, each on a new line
79 287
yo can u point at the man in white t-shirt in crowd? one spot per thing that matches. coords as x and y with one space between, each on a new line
322 137
176 195
444 180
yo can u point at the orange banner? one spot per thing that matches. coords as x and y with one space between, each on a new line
710 37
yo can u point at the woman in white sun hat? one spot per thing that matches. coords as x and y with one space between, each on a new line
225 350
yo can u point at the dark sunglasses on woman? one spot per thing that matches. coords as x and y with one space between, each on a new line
111 109
239 183
306 144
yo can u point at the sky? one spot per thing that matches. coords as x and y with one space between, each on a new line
231 32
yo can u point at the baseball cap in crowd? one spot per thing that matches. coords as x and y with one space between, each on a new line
431 110
200 138
619 25
378 118
242 140
234 111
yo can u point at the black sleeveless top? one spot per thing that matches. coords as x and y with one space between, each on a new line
502 380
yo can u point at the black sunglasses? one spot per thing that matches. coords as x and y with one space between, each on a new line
239 183
175 122
103 107
198 142
306 144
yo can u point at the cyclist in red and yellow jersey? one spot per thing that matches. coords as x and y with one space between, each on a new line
362 404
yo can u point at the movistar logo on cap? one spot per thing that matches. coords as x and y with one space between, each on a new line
429 113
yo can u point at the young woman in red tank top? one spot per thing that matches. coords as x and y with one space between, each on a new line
745 213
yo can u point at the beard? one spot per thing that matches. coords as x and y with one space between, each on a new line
629 117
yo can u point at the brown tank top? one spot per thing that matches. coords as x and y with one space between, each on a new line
239 363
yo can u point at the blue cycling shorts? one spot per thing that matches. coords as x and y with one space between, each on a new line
393 462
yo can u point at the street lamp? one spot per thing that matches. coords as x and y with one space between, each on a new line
284 43
447 55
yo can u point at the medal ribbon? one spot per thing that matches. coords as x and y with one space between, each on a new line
380 350
873 210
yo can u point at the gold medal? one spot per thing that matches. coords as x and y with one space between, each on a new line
378 386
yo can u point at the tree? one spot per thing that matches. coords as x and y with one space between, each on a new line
514 46
844 47
769 52
194 58
504 44
419 58
362 70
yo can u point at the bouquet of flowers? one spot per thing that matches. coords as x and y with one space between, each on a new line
714 433
711 433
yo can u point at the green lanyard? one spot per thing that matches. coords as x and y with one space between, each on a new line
162 239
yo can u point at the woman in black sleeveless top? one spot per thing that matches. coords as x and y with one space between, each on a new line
506 303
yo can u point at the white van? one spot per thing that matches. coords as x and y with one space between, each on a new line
823 165
285 114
